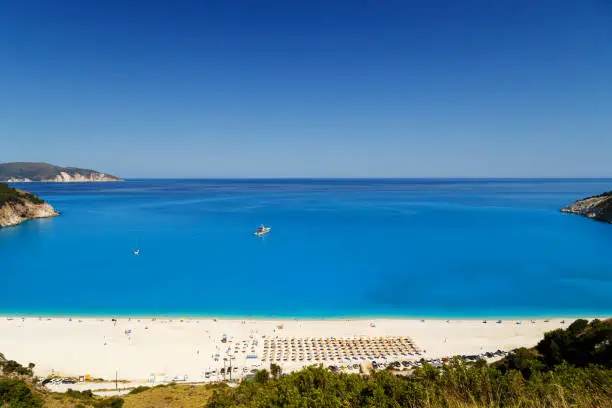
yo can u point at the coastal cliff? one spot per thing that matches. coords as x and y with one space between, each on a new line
23 172
597 207
17 206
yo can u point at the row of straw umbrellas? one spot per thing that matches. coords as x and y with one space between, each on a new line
336 349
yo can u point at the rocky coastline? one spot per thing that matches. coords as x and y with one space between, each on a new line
17 206
598 207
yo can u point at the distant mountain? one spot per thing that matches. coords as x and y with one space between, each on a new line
17 206
20 172
597 207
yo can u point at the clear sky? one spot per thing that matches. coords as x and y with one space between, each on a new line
288 88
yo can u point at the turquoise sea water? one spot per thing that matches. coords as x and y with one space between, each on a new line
469 248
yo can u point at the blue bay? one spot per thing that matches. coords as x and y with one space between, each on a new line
452 248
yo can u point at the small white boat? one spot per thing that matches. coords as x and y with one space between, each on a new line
137 252
262 230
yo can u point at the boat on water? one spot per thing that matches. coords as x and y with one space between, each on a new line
137 250
262 230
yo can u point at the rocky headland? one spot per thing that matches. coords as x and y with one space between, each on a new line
17 206
597 207
23 172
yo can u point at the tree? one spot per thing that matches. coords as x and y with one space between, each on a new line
552 346
262 376
582 344
526 361
578 326
276 371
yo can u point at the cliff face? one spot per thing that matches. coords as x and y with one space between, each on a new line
64 177
16 213
17 206
23 172
598 207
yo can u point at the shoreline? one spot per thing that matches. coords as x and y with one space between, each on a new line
191 316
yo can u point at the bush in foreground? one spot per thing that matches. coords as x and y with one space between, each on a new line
16 394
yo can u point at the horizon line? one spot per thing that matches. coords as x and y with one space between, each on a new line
367 178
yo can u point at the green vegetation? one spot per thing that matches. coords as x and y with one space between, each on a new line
18 390
275 371
13 368
88 397
13 195
139 389
457 384
14 391
17 394
8 194
568 368
581 344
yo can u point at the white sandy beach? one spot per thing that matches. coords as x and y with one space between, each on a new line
144 349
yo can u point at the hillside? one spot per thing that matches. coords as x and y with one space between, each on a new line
597 207
44 172
17 206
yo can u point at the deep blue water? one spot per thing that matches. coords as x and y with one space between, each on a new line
337 248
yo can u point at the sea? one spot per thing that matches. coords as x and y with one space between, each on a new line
426 248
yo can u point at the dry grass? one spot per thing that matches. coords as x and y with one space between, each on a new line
171 396
59 400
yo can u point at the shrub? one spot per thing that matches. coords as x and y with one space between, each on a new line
17 394
139 389
12 195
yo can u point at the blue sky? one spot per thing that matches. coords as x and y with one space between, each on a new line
309 88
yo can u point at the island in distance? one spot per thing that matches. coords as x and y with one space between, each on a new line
22 172
597 207
17 206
